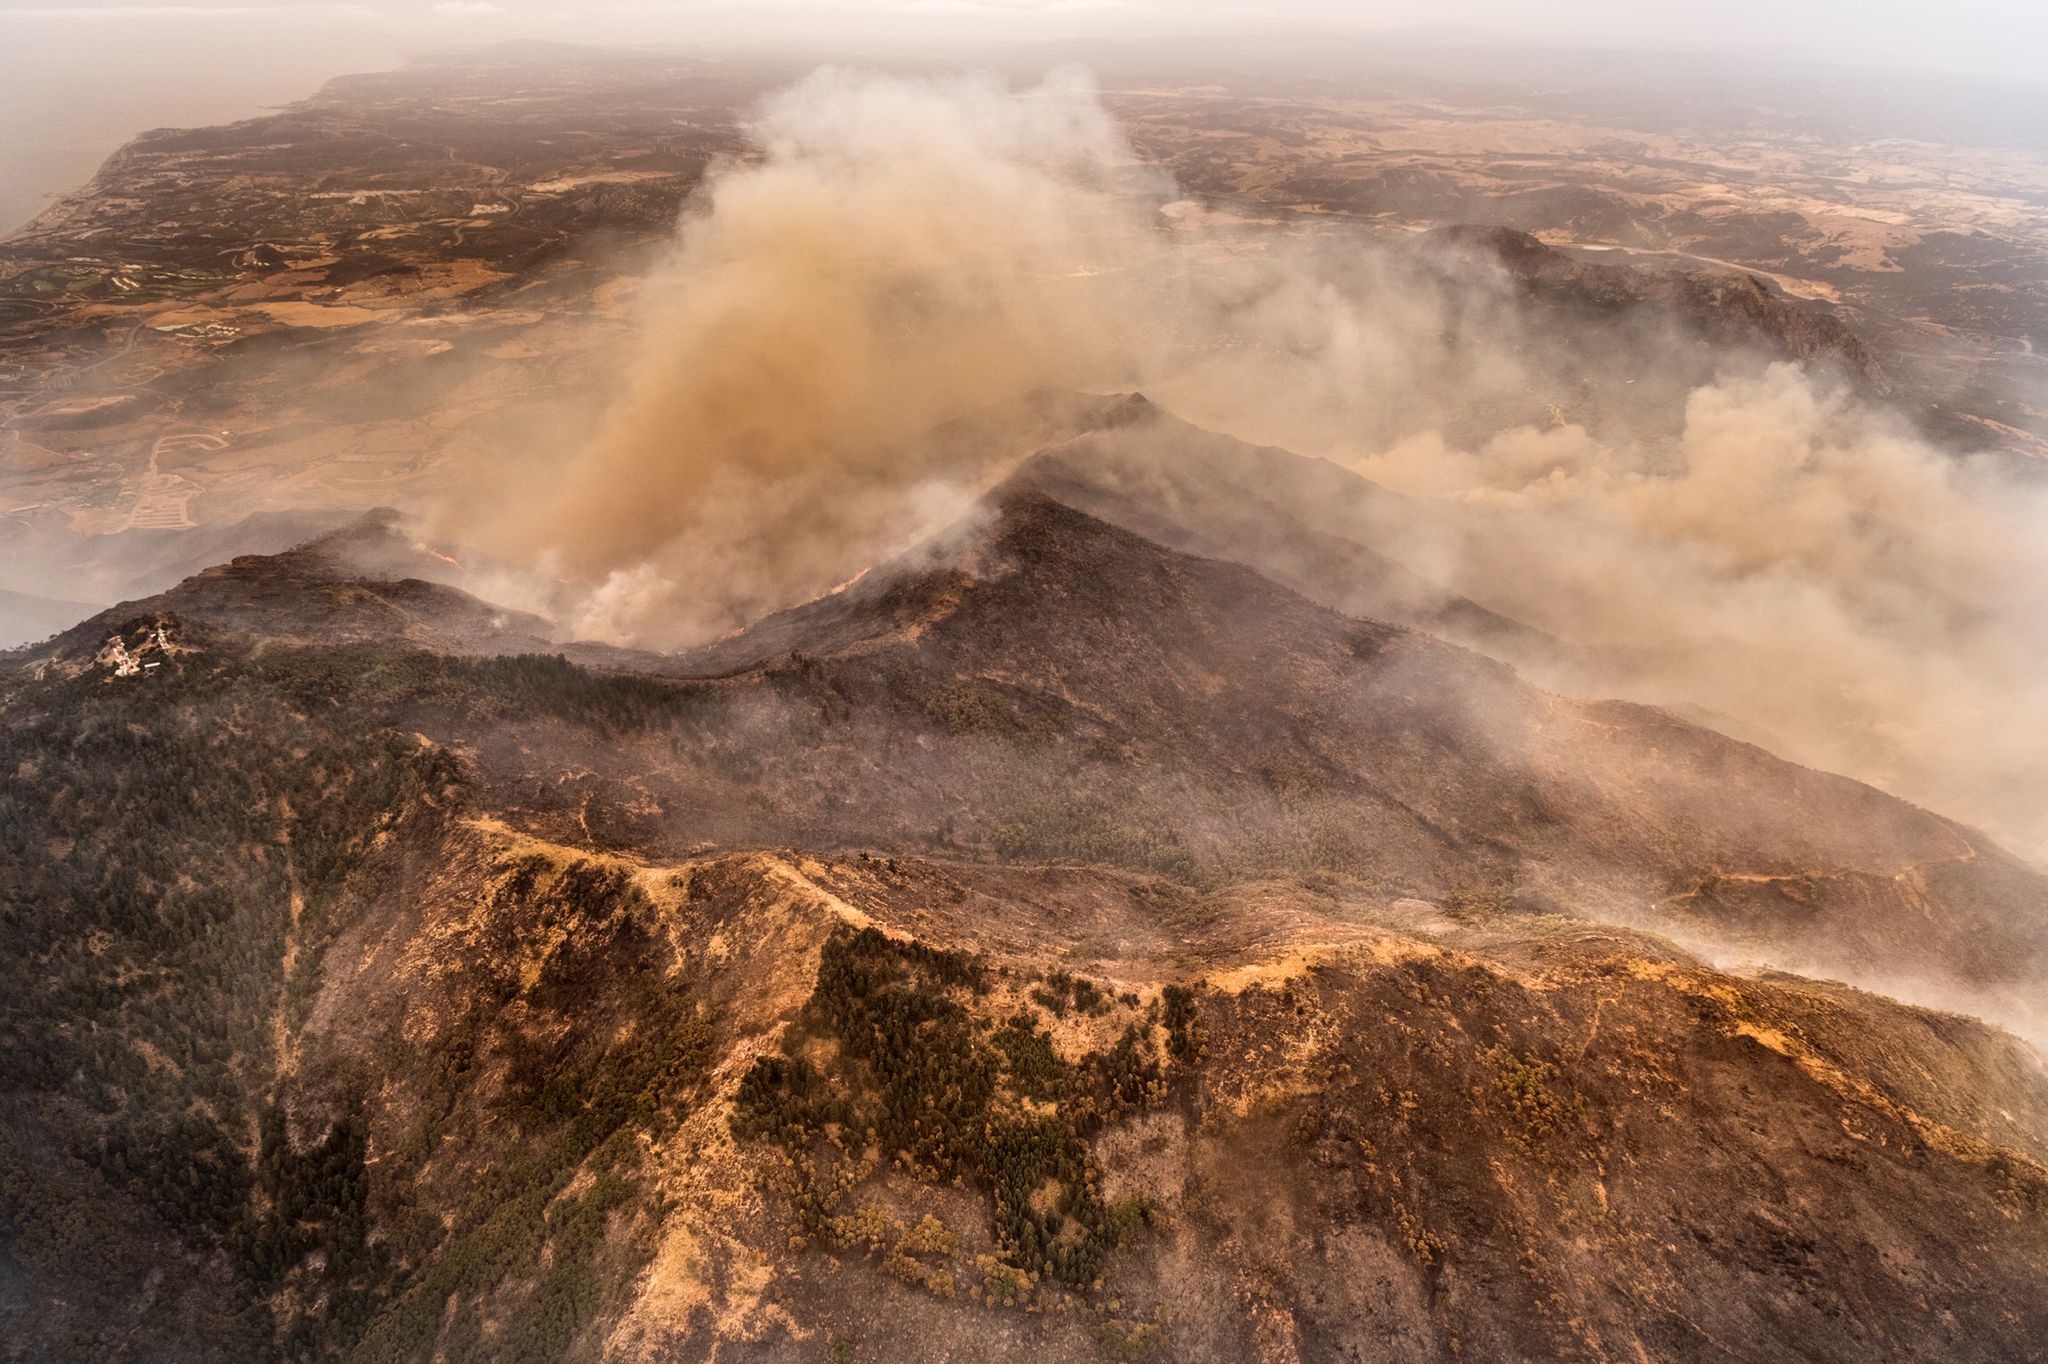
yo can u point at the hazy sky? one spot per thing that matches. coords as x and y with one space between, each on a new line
2009 36
78 78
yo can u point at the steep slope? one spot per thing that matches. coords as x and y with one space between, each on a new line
1321 530
333 1030
1114 699
1570 1164
535 1103
1039 685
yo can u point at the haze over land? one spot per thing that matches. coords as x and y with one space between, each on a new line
1202 698
76 79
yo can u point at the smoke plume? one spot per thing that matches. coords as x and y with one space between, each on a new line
899 254
1805 573
1750 542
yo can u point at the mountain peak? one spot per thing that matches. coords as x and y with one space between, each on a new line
1129 409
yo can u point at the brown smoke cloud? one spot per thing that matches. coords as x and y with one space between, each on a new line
1806 572
1748 542
901 253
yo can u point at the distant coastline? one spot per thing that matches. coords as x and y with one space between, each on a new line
65 107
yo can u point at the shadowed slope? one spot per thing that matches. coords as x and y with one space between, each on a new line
1250 727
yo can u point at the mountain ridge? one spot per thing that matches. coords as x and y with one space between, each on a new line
999 970
1157 915
1232 718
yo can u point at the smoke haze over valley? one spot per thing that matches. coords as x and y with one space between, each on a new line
1021 687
